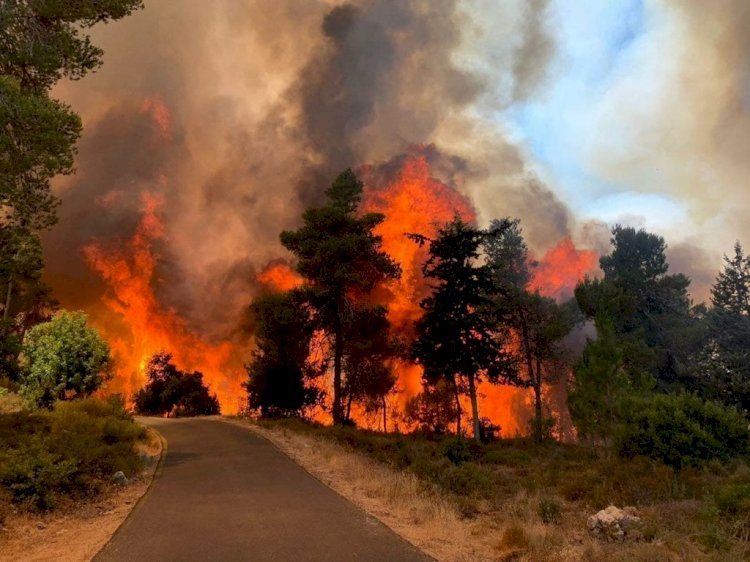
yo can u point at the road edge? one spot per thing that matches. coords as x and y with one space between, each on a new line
157 472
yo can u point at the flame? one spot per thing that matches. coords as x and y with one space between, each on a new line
161 119
146 327
413 202
416 202
561 268
278 276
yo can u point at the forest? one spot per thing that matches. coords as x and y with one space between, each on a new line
658 375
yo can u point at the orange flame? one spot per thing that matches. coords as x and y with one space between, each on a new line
278 276
148 328
561 268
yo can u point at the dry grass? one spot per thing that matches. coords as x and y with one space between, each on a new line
9 402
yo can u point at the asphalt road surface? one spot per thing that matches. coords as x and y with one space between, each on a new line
225 494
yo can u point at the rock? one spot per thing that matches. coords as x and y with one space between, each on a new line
119 478
41 526
614 523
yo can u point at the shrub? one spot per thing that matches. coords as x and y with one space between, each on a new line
68 451
456 450
681 430
34 472
171 390
468 479
549 511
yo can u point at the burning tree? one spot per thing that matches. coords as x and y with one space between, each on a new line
537 322
170 390
456 337
342 262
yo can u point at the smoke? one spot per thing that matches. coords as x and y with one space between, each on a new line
531 56
238 115
676 116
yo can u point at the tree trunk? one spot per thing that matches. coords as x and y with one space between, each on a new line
458 406
385 418
474 409
338 354
538 400
6 312
526 343
349 407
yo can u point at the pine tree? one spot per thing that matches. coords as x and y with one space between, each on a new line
731 291
342 260
456 340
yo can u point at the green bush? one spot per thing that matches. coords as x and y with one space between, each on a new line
468 479
681 430
549 511
68 451
33 472
63 358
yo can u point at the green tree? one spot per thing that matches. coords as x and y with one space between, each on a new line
40 42
63 358
369 376
644 302
723 365
602 379
280 375
456 338
342 261
43 41
731 290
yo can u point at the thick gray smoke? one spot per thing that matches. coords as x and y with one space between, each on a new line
238 115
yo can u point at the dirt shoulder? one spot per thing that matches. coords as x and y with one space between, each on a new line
77 532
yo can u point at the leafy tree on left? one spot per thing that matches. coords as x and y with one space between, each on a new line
63 358
40 43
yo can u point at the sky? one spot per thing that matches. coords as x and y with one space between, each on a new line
641 119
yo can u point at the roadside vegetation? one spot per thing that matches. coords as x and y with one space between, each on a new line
48 457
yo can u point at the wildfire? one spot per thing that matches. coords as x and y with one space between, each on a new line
561 268
148 327
416 202
278 276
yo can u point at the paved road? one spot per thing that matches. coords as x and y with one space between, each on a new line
225 494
